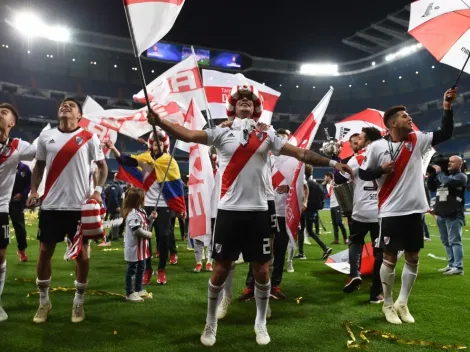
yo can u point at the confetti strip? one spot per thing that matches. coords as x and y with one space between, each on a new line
363 344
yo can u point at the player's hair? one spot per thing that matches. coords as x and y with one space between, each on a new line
329 174
391 113
80 108
308 170
12 109
353 136
134 199
372 134
282 131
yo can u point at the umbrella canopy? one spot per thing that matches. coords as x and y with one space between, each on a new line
443 28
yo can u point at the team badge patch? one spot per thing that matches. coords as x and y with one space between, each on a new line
79 140
386 240
218 248
409 146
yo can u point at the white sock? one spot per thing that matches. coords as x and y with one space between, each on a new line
408 278
79 298
387 275
198 250
290 253
228 282
262 292
43 286
213 299
3 274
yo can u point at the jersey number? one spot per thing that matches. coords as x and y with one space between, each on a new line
273 221
266 246
6 231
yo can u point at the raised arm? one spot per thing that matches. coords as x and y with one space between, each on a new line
447 124
309 157
178 132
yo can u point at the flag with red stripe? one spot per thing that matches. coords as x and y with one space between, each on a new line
218 86
302 138
151 20
179 84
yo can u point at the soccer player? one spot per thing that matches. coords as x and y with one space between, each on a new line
12 151
242 223
364 219
396 163
67 153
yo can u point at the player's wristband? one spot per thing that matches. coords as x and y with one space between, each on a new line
99 189
333 163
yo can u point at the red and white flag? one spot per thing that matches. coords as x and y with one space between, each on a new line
151 20
302 138
218 86
181 83
201 178
132 123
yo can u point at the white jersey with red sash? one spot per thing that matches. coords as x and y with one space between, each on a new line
365 207
10 155
402 191
136 248
244 167
68 158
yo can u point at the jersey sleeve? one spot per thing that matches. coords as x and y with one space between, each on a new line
27 151
354 165
277 143
96 150
371 160
214 135
41 152
424 140
134 220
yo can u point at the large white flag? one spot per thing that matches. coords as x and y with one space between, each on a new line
201 178
151 20
218 86
292 170
32 163
180 83
132 123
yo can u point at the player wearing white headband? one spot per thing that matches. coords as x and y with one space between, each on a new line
243 153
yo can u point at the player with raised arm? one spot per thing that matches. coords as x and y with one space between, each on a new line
396 163
12 151
242 223
67 153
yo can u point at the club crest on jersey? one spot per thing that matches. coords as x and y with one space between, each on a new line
6 151
386 240
218 247
79 140
22 174
409 146
260 135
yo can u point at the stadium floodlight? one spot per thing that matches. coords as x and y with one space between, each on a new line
373 63
319 69
296 86
280 85
31 25
403 52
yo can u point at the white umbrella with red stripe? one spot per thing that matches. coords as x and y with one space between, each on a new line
443 27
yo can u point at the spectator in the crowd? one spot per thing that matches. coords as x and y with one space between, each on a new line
335 210
449 208
114 201
315 202
19 196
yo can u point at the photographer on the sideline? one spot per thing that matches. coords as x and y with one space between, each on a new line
449 208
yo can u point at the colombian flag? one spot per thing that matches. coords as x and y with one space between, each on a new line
173 191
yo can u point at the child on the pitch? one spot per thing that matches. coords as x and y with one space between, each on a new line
136 242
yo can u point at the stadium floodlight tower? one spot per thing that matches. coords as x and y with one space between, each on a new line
31 25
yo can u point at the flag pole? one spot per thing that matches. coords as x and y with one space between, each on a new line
166 173
211 122
139 67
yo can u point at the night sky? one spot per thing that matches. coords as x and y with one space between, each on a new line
302 30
